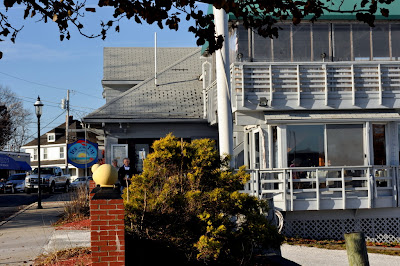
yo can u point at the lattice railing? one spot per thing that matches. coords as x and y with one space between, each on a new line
326 188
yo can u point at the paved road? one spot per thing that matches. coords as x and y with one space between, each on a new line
12 203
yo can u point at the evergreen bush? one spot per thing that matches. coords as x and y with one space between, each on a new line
188 198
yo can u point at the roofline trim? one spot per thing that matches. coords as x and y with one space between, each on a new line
138 121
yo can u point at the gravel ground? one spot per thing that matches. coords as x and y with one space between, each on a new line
318 256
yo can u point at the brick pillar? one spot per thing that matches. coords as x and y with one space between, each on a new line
107 227
92 186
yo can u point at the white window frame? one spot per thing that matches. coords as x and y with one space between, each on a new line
367 143
45 154
62 152
51 137
35 154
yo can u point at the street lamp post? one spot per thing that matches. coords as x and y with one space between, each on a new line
38 110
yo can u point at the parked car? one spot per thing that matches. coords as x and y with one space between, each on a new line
51 178
81 181
15 183
3 185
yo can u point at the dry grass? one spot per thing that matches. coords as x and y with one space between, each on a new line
77 208
73 256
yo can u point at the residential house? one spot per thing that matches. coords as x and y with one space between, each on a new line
316 121
143 106
53 147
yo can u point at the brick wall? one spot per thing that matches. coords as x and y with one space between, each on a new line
107 231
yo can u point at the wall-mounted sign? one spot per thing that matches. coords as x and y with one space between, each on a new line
82 153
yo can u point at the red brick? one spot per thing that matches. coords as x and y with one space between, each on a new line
107 237
98 212
121 217
121 258
115 201
109 227
119 263
116 253
94 228
120 207
116 222
94 248
100 264
93 206
99 243
99 223
108 207
107 217
99 201
94 218
109 258
94 238
116 212
99 253
108 248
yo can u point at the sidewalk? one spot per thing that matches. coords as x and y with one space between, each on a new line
30 233
318 256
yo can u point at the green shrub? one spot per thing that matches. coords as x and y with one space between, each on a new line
184 197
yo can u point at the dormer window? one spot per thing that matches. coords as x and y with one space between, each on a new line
51 137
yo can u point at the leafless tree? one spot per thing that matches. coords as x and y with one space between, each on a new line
19 119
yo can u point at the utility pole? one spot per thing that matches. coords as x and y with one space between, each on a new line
67 134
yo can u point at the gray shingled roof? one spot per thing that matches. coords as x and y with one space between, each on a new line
137 63
177 96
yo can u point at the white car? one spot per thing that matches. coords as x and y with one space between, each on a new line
81 181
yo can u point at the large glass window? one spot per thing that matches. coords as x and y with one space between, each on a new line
395 36
282 44
361 42
305 145
341 40
345 145
243 44
379 144
321 42
262 48
301 42
380 39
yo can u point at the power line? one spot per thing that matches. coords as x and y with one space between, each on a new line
31 136
48 86
33 100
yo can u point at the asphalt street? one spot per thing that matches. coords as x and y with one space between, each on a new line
12 203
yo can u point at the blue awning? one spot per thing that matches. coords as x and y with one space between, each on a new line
7 162
23 166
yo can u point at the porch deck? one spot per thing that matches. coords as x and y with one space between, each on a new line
327 188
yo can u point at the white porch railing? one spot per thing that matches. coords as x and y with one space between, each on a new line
330 79
327 188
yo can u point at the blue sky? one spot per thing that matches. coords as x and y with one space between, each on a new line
39 64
